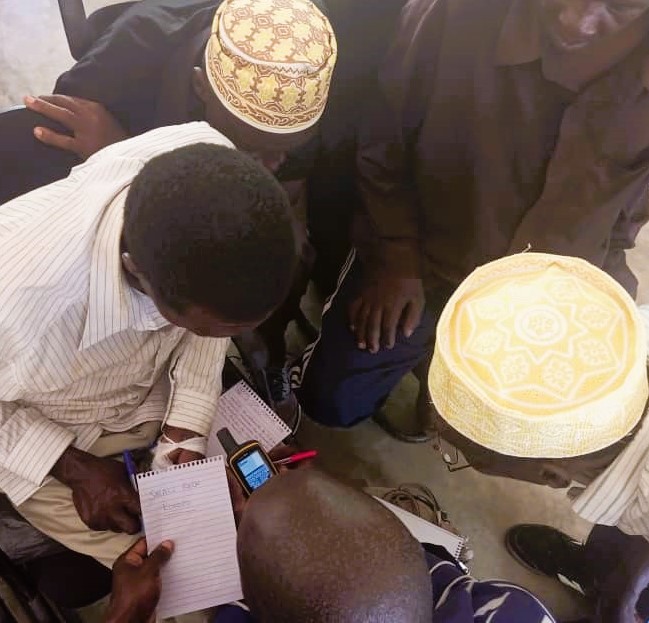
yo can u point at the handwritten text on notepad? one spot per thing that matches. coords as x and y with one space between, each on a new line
190 505
184 487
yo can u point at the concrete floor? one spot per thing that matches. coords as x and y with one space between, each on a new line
33 52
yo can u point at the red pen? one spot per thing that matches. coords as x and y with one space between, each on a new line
297 457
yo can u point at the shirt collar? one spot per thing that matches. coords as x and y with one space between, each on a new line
113 306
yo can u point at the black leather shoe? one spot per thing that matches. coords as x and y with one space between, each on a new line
549 552
414 436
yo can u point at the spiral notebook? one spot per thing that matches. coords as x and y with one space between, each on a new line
426 532
190 505
247 417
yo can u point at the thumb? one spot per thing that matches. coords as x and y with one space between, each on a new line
160 556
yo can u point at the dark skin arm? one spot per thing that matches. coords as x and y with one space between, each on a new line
101 491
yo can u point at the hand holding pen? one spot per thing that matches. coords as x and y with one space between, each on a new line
131 469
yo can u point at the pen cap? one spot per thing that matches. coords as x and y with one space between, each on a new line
227 440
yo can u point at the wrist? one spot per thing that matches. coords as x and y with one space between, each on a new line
68 468
401 259
177 435
384 273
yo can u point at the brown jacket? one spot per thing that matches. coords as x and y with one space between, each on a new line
471 153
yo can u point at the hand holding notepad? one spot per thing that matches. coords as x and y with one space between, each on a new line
190 505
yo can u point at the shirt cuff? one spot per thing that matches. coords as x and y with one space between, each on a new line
191 410
38 447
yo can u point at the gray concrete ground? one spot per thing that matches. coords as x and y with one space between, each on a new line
33 52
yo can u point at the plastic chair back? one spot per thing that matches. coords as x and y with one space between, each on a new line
85 20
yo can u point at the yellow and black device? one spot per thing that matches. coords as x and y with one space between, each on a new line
248 461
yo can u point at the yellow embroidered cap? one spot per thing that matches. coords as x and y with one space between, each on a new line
270 62
540 356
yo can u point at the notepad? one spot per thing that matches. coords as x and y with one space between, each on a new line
247 417
426 532
190 505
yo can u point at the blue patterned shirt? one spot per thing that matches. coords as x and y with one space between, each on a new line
457 598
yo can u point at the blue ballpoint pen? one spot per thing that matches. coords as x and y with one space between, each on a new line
131 470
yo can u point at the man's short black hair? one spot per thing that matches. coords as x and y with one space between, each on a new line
206 225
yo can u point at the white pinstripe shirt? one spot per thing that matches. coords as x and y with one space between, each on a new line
81 352
620 496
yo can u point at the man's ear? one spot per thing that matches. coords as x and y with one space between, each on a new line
134 277
129 265
555 476
201 84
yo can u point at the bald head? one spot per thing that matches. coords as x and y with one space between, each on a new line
313 550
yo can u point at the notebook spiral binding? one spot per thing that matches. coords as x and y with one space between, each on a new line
253 394
171 468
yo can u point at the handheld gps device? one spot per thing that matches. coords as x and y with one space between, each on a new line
248 461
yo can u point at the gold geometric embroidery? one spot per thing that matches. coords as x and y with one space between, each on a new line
270 62
558 374
514 369
550 353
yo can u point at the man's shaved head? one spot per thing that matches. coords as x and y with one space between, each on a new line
313 550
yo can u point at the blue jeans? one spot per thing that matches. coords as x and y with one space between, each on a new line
340 385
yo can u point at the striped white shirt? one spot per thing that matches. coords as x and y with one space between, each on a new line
81 352
620 495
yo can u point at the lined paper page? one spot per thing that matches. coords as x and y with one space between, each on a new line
247 417
190 505
426 532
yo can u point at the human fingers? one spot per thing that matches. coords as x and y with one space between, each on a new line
68 102
354 308
132 504
391 316
159 556
374 322
187 456
412 318
282 451
135 555
362 319
49 137
50 109
120 520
